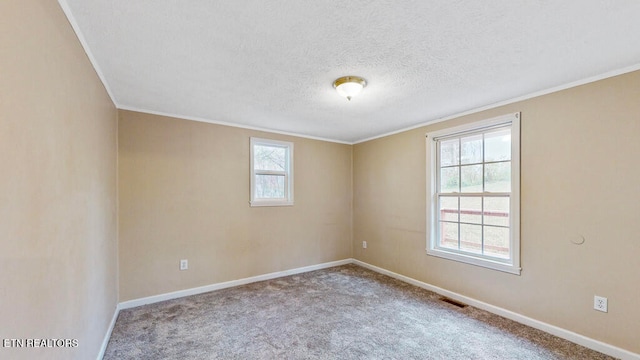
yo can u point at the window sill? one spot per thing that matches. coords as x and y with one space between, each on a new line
259 203
468 259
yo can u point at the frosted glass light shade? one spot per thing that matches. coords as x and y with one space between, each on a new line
349 86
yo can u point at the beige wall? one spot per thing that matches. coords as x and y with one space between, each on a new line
580 174
184 194
58 158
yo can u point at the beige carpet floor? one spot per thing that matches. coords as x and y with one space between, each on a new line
345 312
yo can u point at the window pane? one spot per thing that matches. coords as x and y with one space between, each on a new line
269 158
449 180
497 177
471 151
471 238
497 145
449 208
471 178
496 241
471 210
449 152
496 211
269 186
449 235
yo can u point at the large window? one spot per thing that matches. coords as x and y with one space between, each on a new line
474 193
271 172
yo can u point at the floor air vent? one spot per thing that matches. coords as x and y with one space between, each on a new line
454 302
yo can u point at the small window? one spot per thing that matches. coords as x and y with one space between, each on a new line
474 193
271 172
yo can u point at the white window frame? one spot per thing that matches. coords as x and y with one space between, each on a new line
511 265
287 173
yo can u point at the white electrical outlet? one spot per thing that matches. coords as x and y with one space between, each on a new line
600 303
184 264
364 244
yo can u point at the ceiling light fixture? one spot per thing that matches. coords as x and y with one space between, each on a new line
349 86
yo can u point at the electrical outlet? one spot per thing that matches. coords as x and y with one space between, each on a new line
600 303
184 264
364 244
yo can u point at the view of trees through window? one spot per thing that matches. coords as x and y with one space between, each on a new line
474 193
270 165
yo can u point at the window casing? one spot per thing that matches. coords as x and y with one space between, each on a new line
473 184
271 172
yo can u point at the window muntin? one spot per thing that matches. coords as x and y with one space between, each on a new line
271 172
473 172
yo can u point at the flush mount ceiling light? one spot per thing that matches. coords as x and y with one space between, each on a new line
349 86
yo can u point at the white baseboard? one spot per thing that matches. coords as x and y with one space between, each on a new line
203 289
551 329
107 336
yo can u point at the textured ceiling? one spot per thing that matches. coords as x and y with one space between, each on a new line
271 64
